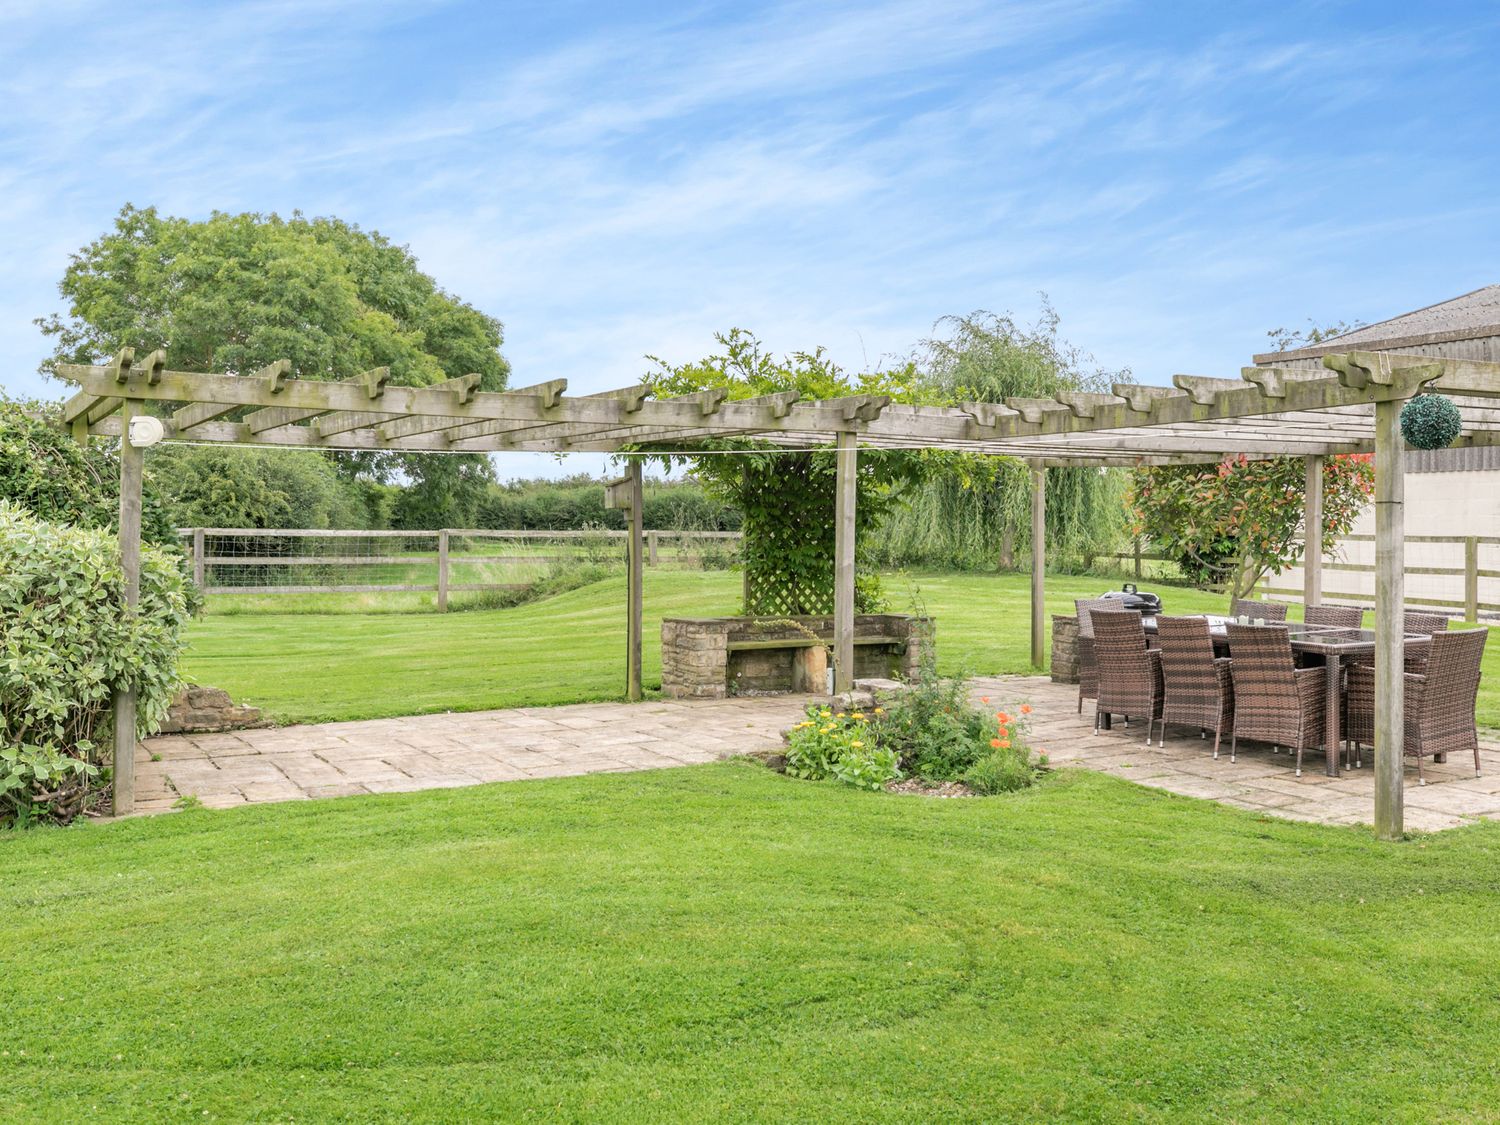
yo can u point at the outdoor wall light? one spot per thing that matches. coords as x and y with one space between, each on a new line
146 431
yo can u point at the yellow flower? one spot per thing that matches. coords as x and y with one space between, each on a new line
880 710
828 728
857 715
856 745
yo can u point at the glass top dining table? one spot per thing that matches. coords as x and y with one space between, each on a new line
1328 641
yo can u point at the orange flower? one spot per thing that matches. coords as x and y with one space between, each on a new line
1025 708
994 744
984 699
1004 743
1002 716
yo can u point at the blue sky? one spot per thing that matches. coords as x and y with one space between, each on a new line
615 179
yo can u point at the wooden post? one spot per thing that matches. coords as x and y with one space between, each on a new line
1038 563
653 549
132 469
636 585
200 571
1312 533
1137 553
1471 581
442 583
1390 593
843 564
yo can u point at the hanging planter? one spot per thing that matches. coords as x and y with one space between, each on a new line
1430 422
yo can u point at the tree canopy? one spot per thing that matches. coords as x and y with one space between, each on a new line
1233 522
233 293
976 511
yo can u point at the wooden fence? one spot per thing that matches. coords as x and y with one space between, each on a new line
1456 585
237 560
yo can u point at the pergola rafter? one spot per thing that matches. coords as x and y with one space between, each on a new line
1352 406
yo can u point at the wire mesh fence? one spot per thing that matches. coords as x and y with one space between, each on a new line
247 561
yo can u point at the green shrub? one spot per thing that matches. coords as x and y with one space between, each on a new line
843 746
54 478
936 731
1003 771
66 643
223 486
931 732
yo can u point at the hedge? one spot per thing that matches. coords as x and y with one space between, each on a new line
67 641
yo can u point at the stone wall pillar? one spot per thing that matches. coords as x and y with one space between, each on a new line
1064 649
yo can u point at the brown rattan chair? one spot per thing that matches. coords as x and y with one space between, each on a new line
1267 611
1413 621
1439 707
1088 673
1337 616
1197 689
1421 621
1274 700
1129 672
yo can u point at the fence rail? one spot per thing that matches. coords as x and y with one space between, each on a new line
1469 573
253 561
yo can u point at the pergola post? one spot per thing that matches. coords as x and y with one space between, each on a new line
1390 594
132 470
843 563
635 581
1312 533
1038 562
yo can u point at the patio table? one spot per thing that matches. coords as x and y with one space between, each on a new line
1333 645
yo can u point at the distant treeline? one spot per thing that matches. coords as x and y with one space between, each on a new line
577 502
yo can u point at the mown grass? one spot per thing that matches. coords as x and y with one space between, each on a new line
564 649
570 648
724 943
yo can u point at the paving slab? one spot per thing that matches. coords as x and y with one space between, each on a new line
1259 778
447 750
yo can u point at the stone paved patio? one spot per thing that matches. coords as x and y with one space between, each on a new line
1259 780
444 751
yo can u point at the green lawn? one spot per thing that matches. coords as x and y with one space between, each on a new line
313 667
723 943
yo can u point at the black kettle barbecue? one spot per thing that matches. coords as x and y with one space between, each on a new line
1145 603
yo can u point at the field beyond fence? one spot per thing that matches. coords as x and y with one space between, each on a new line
446 562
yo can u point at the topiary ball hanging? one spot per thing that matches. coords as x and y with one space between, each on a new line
1430 422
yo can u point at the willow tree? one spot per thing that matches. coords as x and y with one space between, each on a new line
976 512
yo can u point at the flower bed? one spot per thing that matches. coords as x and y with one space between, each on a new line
931 734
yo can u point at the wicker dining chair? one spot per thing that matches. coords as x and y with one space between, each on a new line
1266 611
1421 621
1129 672
1088 673
1440 701
1197 688
1413 621
1337 616
1274 700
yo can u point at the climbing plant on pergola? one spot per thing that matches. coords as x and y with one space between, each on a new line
1352 406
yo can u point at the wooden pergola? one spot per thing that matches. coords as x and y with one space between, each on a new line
1352 405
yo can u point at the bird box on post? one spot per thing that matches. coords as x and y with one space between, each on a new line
620 493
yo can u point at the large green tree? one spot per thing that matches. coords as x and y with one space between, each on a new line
235 292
